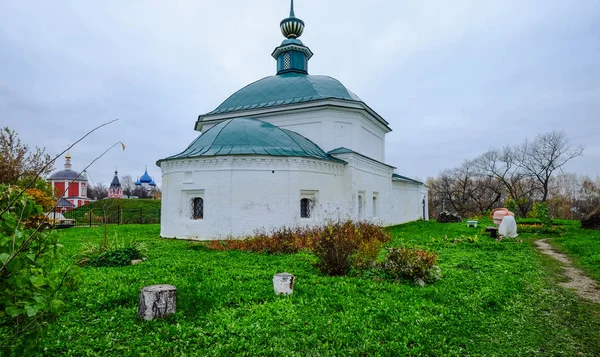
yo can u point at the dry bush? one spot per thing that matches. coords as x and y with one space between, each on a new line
284 240
339 246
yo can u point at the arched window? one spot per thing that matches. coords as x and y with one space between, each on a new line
197 208
305 207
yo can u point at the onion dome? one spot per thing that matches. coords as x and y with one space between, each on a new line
292 27
145 177
248 136
67 174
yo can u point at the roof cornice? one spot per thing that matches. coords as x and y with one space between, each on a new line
292 47
320 103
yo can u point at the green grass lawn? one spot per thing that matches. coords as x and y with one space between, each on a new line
495 299
583 246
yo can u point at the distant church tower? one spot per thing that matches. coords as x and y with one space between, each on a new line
115 190
146 182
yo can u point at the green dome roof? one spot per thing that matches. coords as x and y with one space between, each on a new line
285 89
247 136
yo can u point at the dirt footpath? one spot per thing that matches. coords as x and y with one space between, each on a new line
584 286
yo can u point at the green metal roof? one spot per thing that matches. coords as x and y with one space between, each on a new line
247 136
404 178
285 89
343 150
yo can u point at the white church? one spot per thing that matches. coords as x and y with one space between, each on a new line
290 149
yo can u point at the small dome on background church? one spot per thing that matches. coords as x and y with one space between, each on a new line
145 179
67 174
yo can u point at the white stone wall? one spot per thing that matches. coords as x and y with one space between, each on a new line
244 193
331 128
407 202
368 179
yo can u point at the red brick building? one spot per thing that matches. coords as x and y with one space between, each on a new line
70 185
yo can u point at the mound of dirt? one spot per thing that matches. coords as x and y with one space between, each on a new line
447 217
592 221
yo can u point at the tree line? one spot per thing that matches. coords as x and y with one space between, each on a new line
516 177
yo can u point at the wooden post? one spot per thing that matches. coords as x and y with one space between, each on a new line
283 283
157 301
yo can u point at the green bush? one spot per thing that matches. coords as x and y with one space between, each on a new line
32 282
542 212
512 206
111 253
115 258
411 264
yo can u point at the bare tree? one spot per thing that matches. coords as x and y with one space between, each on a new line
588 198
141 192
18 160
128 185
547 153
98 191
463 191
502 166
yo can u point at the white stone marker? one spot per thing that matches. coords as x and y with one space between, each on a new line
283 283
157 301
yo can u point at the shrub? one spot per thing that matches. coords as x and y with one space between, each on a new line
541 212
340 246
114 254
335 246
592 220
512 206
284 240
411 264
447 217
32 282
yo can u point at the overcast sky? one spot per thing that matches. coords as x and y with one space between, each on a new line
453 78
